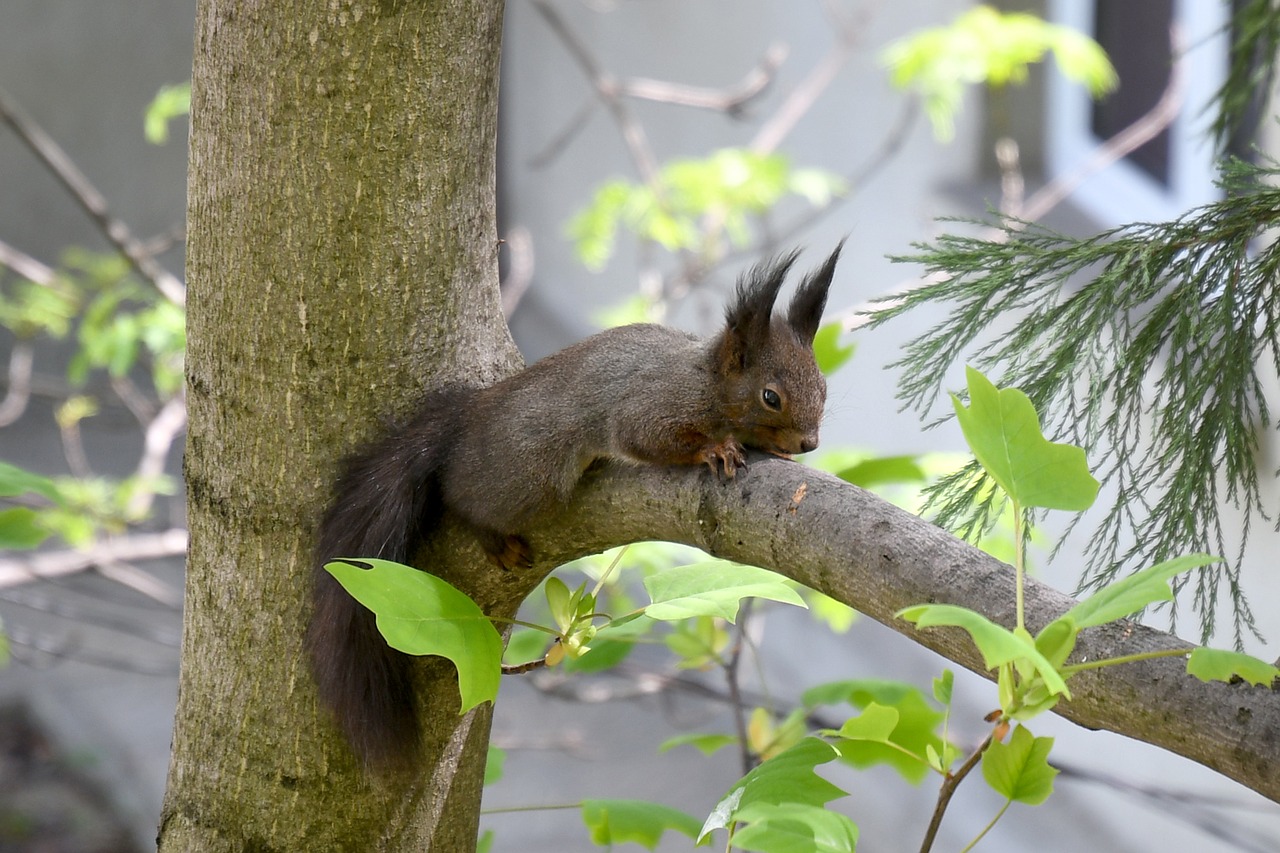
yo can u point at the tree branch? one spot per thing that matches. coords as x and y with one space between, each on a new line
877 558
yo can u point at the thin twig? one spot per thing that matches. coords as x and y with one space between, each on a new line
731 100
736 704
136 546
25 265
949 784
608 90
805 95
51 154
160 435
21 358
1140 132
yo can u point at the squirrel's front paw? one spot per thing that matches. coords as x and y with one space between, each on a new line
724 458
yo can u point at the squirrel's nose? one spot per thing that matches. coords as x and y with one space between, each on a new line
809 442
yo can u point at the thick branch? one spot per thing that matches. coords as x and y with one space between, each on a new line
877 558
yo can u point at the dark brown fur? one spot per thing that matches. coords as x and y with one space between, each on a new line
499 457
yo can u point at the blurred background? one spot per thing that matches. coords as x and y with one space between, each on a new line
789 115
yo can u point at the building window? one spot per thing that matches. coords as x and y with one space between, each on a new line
1173 172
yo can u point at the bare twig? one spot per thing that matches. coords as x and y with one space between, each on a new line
731 100
21 357
136 546
1142 131
67 650
57 161
806 94
160 435
25 265
950 782
1043 200
608 90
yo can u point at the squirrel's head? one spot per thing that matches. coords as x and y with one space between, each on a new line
773 394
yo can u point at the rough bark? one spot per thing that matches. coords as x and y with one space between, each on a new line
341 257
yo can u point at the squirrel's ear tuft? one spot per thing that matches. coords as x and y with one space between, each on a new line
805 312
752 307
748 317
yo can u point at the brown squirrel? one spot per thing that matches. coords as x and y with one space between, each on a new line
498 457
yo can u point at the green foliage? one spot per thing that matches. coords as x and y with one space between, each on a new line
1002 429
116 318
1152 340
619 821
1241 100
713 588
169 103
28 309
1019 770
731 184
984 45
787 779
420 614
828 351
1219 665
898 726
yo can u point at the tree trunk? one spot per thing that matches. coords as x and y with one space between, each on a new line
341 257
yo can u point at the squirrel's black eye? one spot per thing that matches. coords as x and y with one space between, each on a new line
771 399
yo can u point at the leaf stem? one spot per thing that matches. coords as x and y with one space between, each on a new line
1019 559
1072 669
987 828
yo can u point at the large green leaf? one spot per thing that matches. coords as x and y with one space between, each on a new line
1003 431
1019 770
998 645
713 588
1219 665
1125 597
794 828
907 743
619 821
420 614
786 778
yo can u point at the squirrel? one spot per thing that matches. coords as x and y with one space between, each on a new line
500 456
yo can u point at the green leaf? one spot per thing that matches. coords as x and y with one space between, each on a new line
707 744
903 748
1057 640
943 685
1003 432
18 481
794 828
1019 770
870 473
20 529
420 614
713 588
998 645
827 350
875 723
1218 665
169 103
619 821
1124 597
836 615
786 778
984 45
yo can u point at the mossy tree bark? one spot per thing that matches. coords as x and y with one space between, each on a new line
341 257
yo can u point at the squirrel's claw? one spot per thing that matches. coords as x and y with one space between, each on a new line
724 459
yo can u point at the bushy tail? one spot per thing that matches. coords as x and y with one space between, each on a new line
385 500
